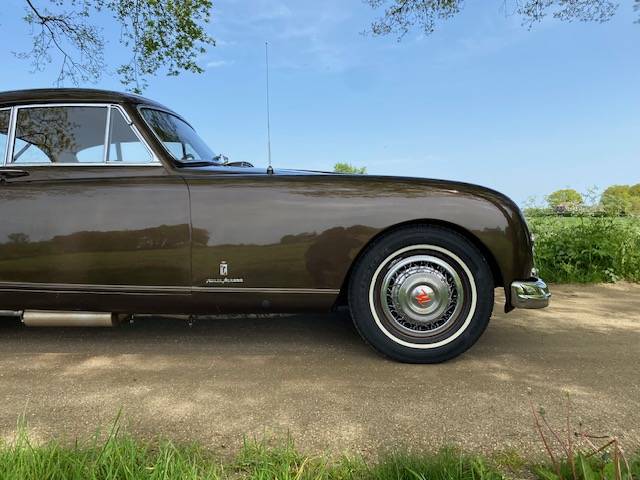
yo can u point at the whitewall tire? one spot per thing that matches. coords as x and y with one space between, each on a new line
421 294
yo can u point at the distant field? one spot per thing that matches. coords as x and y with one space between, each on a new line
587 249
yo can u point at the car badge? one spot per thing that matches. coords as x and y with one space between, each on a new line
423 297
224 269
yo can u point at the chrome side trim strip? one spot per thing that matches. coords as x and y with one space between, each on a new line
152 289
325 291
87 288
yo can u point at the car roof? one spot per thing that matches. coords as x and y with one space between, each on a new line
78 95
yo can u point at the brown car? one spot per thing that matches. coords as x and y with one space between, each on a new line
111 205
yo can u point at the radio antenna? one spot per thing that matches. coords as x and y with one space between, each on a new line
266 57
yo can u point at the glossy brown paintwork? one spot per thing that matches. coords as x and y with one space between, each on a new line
151 239
85 225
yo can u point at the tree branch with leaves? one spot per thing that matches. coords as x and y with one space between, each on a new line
399 17
161 35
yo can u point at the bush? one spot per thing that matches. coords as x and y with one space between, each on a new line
588 248
564 199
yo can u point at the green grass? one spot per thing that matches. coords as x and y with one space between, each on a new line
587 249
120 456
125 458
588 468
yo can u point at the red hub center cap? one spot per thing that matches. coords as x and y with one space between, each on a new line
422 297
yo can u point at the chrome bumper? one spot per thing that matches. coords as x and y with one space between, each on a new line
532 293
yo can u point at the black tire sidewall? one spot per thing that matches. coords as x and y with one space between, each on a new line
394 241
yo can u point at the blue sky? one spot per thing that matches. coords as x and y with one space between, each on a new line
482 100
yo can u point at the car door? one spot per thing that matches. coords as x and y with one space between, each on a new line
84 201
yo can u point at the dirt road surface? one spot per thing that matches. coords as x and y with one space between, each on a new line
312 377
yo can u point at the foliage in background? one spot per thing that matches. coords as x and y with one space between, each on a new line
587 249
621 200
164 35
565 199
401 16
596 240
344 167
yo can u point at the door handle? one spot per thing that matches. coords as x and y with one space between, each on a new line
12 173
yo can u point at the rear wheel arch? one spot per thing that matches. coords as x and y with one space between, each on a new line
342 299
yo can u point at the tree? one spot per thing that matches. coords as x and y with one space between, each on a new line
348 168
159 35
616 200
634 194
563 199
18 238
400 16
634 190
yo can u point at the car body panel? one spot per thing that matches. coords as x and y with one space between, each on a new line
166 238
305 231
95 226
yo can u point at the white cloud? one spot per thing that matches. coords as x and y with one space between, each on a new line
218 63
254 10
271 11
225 43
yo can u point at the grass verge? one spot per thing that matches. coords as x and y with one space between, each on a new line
120 456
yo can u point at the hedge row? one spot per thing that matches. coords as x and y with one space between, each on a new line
587 249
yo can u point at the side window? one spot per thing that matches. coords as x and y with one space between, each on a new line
124 144
60 135
4 132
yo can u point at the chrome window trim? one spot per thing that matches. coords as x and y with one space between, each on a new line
6 147
89 165
169 112
127 118
154 159
107 137
8 160
12 136
144 106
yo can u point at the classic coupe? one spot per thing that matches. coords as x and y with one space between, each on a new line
111 205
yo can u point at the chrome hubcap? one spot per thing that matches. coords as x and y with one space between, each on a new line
422 294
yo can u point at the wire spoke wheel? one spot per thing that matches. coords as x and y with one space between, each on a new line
421 294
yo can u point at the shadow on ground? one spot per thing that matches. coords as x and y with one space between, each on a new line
313 377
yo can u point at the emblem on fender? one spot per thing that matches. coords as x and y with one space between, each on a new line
223 271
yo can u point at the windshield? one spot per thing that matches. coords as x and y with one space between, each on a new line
182 141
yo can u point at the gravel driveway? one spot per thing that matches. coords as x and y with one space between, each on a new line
313 377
